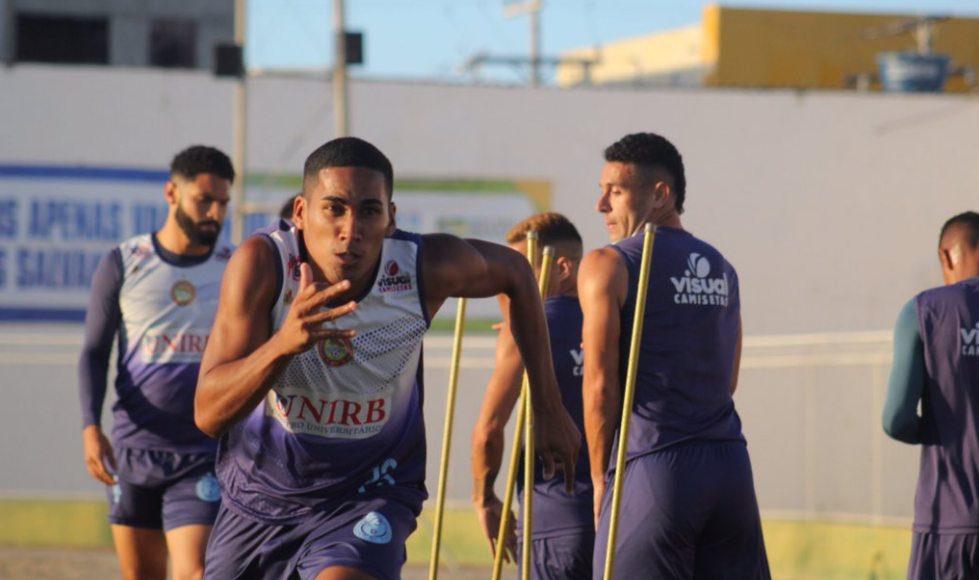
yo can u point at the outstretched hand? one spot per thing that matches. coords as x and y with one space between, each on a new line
303 327
557 441
490 513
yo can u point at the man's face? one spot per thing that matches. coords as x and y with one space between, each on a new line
345 216
199 206
625 201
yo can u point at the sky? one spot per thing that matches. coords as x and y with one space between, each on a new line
432 39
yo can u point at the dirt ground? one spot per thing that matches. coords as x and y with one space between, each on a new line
17 563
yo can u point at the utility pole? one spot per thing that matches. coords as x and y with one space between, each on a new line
532 9
238 152
339 70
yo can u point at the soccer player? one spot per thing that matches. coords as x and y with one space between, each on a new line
688 504
564 529
936 362
158 293
312 376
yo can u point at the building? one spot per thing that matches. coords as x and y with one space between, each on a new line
749 48
134 33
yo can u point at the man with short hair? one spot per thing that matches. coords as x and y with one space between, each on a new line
563 532
312 376
158 293
936 363
688 500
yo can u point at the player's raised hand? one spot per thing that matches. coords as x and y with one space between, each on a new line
490 512
558 441
99 457
303 327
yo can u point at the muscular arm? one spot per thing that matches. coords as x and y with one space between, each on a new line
502 394
602 289
477 269
243 357
907 382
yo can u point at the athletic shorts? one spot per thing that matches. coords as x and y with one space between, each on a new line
688 512
162 490
368 534
564 557
944 557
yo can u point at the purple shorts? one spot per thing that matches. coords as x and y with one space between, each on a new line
368 534
944 556
563 557
163 490
688 512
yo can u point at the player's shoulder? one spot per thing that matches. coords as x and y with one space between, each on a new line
948 293
701 247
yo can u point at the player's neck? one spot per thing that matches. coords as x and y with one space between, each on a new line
174 240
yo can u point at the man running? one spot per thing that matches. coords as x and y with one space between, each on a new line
312 376
688 509
158 294
564 530
936 363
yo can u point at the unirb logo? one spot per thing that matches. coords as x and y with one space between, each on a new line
697 287
970 340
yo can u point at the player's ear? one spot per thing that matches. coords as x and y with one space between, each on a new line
299 206
170 193
565 268
662 194
392 224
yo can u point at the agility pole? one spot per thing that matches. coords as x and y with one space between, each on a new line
447 437
628 397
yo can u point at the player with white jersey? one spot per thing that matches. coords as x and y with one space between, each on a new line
157 294
312 378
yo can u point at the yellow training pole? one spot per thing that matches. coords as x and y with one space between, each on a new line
511 482
529 452
630 392
447 437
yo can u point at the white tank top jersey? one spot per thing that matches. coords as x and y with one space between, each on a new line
167 311
344 418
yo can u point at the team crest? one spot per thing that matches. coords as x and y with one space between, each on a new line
373 528
183 293
208 488
336 352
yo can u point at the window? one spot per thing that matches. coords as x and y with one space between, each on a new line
173 43
62 39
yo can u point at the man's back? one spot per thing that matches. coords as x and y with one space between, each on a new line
949 477
690 334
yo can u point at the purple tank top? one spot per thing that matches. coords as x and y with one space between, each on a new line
689 337
947 498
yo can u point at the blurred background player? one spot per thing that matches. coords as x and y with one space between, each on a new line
322 450
564 529
688 504
936 362
158 293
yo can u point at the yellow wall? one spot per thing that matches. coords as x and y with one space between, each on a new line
774 49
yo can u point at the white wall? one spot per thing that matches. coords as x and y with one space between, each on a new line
828 204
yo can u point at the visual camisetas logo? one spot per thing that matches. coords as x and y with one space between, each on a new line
697 287
394 279
970 340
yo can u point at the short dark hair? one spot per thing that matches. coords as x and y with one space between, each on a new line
285 212
551 228
349 152
198 159
968 224
651 151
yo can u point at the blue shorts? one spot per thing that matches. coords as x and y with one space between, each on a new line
563 557
162 490
368 534
944 556
688 512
